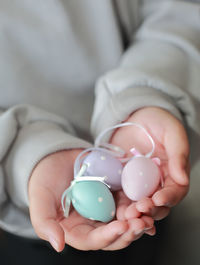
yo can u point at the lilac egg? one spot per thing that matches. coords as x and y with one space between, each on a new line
103 164
140 178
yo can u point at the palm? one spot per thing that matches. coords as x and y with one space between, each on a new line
55 172
171 147
48 181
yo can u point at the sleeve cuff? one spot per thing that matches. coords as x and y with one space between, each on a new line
34 142
119 105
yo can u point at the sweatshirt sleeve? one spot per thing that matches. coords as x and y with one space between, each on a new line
27 134
160 68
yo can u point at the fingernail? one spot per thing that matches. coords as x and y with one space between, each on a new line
167 204
148 228
139 232
54 243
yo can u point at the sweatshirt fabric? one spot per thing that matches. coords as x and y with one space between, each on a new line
69 69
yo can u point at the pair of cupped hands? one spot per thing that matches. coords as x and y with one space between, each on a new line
53 175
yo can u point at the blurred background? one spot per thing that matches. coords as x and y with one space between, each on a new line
176 242
17 250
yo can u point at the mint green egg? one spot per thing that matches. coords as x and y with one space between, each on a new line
93 200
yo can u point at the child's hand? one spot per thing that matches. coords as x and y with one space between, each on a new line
171 147
49 179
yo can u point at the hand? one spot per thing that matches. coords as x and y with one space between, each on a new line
49 179
171 147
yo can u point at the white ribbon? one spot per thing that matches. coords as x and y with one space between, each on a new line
118 152
111 149
100 136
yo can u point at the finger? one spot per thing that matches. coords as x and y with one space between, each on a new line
151 231
94 237
170 195
145 205
136 227
149 225
160 213
120 213
43 215
177 148
105 235
131 212
122 203
178 169
148 221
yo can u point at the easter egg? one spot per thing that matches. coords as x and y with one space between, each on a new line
140 178
93 200
103 164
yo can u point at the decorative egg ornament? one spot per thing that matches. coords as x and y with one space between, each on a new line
93 200
90 196
140 177
97 170
103 164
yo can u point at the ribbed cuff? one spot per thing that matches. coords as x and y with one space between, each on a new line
34 142
120 105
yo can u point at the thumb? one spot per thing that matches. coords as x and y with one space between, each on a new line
177 148
44 213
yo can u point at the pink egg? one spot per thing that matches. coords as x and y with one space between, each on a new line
140 178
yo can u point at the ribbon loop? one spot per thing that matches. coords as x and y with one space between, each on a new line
102 134
118 152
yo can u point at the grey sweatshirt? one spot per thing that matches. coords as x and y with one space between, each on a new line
69 69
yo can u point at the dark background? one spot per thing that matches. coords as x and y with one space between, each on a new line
17 250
